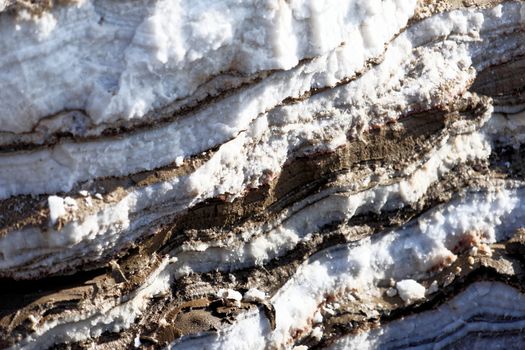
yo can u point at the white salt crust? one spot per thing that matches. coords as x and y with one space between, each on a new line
409 252
484 307
264 148
56 208
381 94
61 167
410 291
119 60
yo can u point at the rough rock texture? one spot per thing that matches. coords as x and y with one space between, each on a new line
262 174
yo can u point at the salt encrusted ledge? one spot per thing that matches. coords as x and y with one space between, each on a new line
377 177
383 93
108 228
125 59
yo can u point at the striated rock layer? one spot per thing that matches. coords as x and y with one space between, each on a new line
262 175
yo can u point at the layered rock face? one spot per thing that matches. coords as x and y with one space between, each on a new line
262 174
